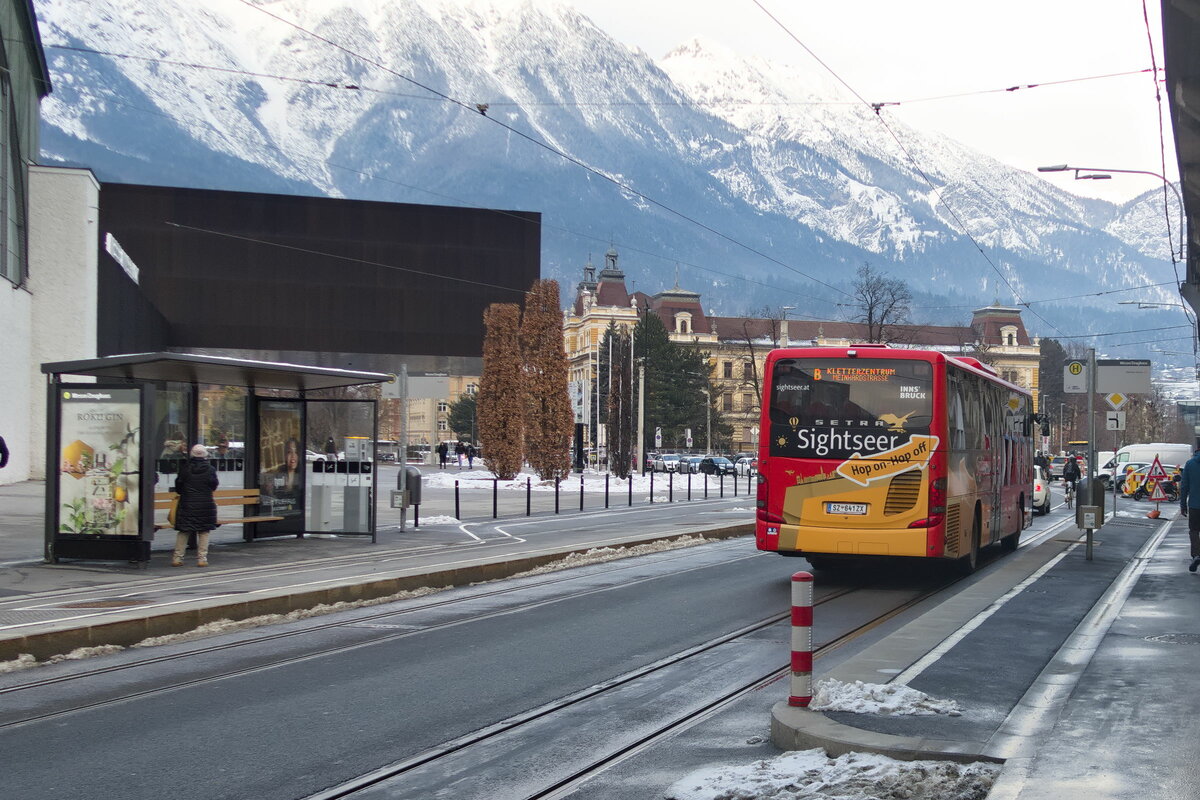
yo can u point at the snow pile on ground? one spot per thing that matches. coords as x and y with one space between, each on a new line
854 776
873 698
442 519
593 482
599 555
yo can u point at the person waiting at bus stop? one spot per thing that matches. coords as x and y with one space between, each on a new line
1070 474
1189 501
196 511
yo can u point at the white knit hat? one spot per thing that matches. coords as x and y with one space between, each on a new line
199 451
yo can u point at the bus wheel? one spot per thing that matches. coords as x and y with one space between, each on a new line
968 563
1011 541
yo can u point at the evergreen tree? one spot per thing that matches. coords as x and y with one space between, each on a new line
461 418
676 376
549 421
501 396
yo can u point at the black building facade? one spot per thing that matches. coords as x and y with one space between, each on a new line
323 281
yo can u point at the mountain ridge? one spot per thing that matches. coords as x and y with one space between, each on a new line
819 189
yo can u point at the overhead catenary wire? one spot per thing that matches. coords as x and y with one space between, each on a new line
460 202
357 87
941 199
474 108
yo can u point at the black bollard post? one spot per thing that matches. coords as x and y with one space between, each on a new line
556 495
606 476
495 496
528 491
706 486
457 512
735 484
722 484
416 517
581 493
631 490
652 487
689 486
670 487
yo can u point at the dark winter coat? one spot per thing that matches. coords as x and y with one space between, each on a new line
196 512
1071 470
1189 484
3 453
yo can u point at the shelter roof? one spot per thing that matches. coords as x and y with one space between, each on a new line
193 368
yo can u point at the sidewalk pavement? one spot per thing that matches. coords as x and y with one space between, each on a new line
1082 680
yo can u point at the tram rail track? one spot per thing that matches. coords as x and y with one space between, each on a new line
564 784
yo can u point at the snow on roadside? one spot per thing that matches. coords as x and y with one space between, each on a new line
811 774
592 482
442 519
597 555
874 698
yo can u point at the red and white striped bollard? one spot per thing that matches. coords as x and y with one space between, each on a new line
802 658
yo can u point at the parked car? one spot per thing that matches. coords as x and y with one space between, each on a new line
746 465
717 465
310 456
1041 492
690 464
666 462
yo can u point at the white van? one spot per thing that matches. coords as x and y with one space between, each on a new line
1166 452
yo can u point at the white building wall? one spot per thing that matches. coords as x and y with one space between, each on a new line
16 311
64 207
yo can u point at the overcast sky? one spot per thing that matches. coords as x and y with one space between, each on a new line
902 50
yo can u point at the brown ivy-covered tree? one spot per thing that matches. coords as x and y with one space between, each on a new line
549 420
501 401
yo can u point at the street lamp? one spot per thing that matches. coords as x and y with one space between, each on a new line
707 421
1098 174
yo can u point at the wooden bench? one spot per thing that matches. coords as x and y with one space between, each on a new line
222 497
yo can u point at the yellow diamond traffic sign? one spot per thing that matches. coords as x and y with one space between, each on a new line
1116 400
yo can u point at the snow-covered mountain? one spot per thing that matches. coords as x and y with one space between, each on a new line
753 177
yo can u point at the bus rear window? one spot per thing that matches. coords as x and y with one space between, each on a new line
834 408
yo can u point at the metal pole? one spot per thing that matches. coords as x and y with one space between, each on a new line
651 486
689 485
581 493
641 460
1060 430
606 477
1091 438
528 491
556 495
495 496
457 512
670 487
631 490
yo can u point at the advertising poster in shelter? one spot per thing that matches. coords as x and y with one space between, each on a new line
281 459
99 461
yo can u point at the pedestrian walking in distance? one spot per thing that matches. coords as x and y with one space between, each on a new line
1189 501
330 449
196 511
443 450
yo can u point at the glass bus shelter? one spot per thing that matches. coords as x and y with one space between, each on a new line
289 464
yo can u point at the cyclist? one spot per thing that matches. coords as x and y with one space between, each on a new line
1070 476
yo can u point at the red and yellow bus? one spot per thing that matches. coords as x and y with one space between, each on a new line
872 450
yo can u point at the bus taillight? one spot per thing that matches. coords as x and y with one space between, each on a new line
760 502
937 505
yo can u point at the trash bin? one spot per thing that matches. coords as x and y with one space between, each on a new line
410 478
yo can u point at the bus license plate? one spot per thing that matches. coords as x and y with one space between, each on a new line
846 508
